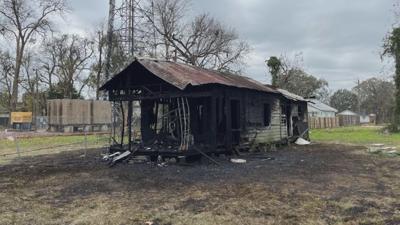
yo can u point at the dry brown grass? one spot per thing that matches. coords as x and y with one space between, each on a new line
319 184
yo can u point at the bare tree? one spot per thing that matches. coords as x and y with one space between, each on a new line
28 78
344 99
73 55
98 70
30 82
286 68
166 17
47 65
22 21
100 45
203 42
377 96
6 78
290 75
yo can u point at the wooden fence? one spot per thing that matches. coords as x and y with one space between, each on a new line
323 122
349 120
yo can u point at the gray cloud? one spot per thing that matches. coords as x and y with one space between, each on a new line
340 40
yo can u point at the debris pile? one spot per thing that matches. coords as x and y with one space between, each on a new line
238 161
381 149
116 157
301 141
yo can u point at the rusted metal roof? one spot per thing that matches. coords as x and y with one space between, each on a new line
288 95
182 75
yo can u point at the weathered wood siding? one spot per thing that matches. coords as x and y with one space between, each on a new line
255 131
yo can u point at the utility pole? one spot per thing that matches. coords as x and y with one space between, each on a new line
131 27
127 15
37 97
358 97
100 48
110 33
154 31
125 32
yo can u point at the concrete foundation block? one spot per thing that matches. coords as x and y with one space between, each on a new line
104 128
68 129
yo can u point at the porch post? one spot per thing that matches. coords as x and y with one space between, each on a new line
129 125
213 123
228 117
123 124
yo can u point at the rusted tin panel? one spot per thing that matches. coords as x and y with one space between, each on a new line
182 75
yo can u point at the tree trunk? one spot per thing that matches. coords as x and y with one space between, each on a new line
50 84
99 70
71 89
397 95
18 62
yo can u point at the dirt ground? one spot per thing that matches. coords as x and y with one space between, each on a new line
317 184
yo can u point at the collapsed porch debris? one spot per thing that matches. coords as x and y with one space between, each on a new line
120 157
240 161
301 141
107 157
381 149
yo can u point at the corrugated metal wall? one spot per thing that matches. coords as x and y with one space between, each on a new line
65 112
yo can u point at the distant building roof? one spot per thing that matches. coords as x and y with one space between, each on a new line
348 113
315 105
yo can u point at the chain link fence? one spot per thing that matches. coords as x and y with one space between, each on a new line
16 146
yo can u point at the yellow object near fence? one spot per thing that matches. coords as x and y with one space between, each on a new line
21 117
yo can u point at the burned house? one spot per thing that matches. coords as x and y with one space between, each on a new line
185 108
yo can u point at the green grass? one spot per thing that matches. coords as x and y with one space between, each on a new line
49 145
355 135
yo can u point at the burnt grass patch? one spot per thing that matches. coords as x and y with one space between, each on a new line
316 184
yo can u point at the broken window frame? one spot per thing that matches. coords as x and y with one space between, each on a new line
267 114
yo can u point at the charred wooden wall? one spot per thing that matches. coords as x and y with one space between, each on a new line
256 131
252 127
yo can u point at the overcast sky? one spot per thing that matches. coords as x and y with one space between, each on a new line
340 40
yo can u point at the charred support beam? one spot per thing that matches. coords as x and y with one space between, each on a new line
228 114
156 117
213 122
114 121
123 124
137 97
130 105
